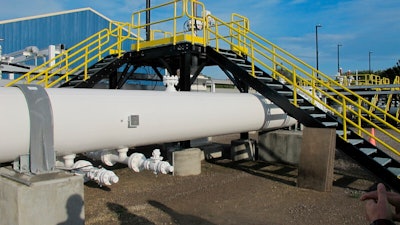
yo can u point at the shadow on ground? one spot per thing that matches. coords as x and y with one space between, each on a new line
125 217
179 218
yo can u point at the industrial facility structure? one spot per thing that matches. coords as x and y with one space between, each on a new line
56 97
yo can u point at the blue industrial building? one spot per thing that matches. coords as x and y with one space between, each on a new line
62 29
67 27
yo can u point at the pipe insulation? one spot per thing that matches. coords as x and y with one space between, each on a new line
100 119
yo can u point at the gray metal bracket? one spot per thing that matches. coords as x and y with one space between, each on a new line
42 157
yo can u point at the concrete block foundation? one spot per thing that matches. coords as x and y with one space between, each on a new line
187 162
44 199
283 146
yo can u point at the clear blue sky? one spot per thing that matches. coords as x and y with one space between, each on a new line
360 26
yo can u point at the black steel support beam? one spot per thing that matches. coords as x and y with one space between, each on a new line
184 74
158 73
125 75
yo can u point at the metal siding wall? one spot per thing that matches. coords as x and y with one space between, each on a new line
67 29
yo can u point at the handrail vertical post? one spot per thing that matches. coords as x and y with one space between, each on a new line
295 87
274 61
99 46
344 112
86 64
174 21
46 79
253 73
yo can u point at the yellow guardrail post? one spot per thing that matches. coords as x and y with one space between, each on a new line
359 116
86 64
274 63
174 30
46 78
252 61
295 87
344 116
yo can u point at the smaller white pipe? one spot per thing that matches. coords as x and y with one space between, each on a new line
99 175
69 160
110 158
137 161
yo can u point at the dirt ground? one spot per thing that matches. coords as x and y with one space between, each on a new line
229 193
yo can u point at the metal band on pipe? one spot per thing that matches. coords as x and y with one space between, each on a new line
41 148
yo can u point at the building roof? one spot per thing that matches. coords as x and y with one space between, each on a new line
54 14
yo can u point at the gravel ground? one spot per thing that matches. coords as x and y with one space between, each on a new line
229 193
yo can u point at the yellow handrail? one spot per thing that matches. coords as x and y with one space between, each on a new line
78 57
267 57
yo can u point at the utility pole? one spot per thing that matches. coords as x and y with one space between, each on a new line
148 20
338 64
316 44
369 61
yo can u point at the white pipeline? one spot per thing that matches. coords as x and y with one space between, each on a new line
92 119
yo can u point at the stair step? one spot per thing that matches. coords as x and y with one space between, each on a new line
275 86
256 72
95 69
237 60
395 171
230 54
355 141
285 93
307 107
382 161
265 79
244 65
341 132
101 64
330 124
109 59
299 100
320 115
368 151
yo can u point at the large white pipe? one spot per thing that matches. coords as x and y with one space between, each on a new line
93 119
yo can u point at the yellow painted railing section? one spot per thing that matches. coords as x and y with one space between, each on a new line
273 59
78 58
186 24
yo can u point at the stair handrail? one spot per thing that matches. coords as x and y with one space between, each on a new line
56 61
90 49
314 81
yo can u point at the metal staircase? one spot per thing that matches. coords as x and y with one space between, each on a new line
96 55
95 73
369 156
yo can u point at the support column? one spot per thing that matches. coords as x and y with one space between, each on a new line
184 82
185 67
